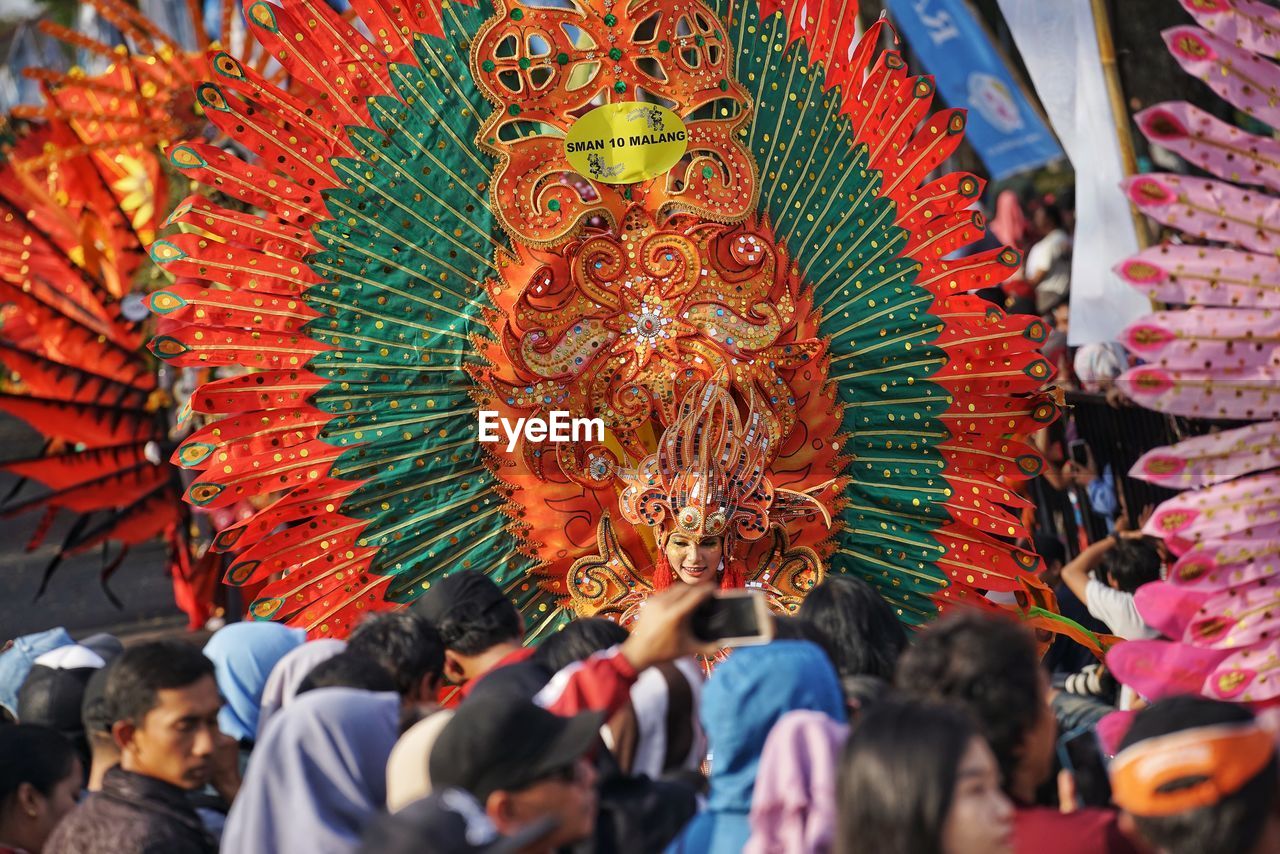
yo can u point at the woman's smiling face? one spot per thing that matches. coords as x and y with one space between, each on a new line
694 559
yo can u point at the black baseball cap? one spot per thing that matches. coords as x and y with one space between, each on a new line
457 602
53 691
505 742
447 822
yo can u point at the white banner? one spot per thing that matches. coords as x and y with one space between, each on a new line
1059 45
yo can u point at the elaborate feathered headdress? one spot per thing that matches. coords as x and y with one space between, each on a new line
707 477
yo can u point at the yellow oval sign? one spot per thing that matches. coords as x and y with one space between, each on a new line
625 143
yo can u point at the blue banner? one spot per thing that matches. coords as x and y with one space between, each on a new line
1003 128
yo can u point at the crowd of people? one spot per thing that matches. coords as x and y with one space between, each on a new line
437 729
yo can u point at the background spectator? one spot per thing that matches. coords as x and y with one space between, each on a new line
1048 264
482 633
164 704
16 659
577 641
54 690
409 766
348 669
104 753
1097 365
287 675
318 775
408 647
455 823
243 655
1200 777
40 777
1009 224
920 778
1064 655
989 667
863 634
656 733
743 699
524 765
793 808
1105 576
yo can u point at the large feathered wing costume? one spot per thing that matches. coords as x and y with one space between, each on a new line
1217 359
84 191
79 369
407 245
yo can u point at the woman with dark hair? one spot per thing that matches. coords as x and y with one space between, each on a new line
864 637
919 779
40 776
577 641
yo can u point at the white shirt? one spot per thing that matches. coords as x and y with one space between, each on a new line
1118 610
1051 256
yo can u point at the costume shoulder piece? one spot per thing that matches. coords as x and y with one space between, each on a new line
1215 359
408 255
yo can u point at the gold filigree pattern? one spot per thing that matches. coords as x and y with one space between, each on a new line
622 327
544 67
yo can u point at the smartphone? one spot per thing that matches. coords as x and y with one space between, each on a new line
1079 452
1081 754
733 618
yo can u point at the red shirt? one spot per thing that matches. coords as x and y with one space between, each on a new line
524 653
1092 830
601 683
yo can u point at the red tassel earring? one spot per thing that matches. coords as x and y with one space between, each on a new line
663 577
732 577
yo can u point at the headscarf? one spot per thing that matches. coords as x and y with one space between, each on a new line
408 777
1009 225
243 655
741 702
1096 363
318 775
287 675
793 810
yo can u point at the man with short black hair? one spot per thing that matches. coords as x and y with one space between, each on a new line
1198 776
163 703
482 633
408 647
104 753
989 667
